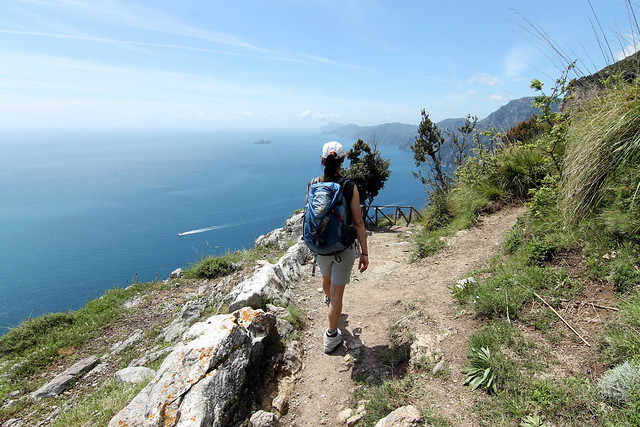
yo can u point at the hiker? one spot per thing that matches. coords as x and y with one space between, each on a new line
336 267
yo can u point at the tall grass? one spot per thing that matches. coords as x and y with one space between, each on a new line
604 137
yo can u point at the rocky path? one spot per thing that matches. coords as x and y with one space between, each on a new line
387 307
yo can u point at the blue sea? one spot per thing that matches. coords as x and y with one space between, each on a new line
86 211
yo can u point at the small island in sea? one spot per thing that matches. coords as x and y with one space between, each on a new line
263 141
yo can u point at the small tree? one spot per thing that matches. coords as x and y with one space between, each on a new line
557 122
367 169
462 140
426 149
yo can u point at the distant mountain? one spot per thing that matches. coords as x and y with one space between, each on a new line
403 135
399 134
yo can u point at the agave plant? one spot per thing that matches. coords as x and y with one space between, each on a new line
480 374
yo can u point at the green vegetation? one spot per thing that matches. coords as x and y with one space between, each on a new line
367 169
213 267
386 397
578 173
29 352
99 407
39 341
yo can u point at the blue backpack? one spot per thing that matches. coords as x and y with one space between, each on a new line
327 227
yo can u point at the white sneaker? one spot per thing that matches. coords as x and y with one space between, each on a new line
331 343
326 300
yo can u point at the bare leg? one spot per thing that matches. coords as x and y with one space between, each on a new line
326 285
335 305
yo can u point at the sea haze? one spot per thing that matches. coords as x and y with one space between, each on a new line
81 213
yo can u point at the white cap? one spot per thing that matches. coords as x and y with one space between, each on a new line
333 147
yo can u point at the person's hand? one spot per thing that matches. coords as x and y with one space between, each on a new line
363 263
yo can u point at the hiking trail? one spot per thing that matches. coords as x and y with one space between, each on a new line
386 307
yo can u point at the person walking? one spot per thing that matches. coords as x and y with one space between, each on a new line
336 268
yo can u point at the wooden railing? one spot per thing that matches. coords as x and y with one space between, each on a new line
392 213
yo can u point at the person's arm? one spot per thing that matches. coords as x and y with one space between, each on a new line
361 232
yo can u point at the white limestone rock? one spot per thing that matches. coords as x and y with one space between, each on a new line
406 416
206 378
134 374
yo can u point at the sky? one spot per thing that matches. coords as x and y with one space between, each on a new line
288 64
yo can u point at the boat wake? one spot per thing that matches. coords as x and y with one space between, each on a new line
219 227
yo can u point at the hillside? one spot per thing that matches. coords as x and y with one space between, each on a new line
403 135
514 301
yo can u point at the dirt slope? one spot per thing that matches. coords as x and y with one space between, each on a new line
386 307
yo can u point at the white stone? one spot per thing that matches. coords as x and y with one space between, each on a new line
343 416
204 379
134 374
62 381
406 416
264 419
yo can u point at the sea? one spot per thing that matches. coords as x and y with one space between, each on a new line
85 211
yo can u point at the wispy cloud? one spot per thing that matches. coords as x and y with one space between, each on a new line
485 79
629 49
498 98
140 17
39 22
309 114
118 42
518 60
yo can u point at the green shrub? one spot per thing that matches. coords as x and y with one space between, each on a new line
438 213
498 298
384 398
514 239
212 267
538 252
621 385
543 203
624 274
519 169
568 401
465 291
498 334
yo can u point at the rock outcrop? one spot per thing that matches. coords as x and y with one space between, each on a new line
205 380
272 282
282 237
62 381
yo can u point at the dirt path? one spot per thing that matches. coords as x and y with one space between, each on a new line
388 305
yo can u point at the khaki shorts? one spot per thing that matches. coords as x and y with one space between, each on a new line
338 266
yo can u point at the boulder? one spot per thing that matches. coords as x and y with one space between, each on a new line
206 380
176 274
150 355
406 416
282 237
190 312
264 419
62 381
122 345
426 349
134 375
272 282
